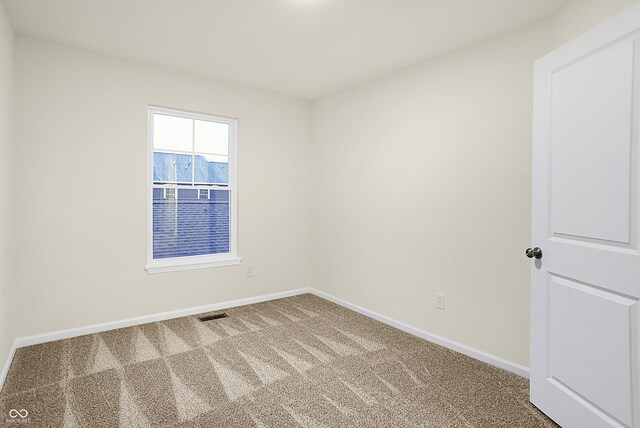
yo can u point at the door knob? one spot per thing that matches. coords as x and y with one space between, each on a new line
534 252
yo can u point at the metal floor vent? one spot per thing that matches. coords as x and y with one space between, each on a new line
213 317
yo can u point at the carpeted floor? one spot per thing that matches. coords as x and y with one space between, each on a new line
295 362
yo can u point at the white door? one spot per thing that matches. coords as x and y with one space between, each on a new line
585 316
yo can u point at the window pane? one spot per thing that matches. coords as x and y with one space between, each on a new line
172 168
172 133
211 137
191 227
210 169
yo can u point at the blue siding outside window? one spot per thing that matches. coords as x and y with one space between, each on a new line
158 193
187 193
189 226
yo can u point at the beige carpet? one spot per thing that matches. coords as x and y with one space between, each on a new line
295 362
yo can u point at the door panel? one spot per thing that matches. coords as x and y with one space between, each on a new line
589 344
591 146
585 326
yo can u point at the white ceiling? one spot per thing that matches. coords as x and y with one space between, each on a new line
305 48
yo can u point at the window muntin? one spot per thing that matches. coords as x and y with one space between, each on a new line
192 187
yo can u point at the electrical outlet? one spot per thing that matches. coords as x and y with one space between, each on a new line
249 272
440 301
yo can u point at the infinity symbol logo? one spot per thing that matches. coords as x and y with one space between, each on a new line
13 413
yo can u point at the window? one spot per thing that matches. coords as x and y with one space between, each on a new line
169 193
192 191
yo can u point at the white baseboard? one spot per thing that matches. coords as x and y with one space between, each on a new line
111 325
129 322
7 364
459 347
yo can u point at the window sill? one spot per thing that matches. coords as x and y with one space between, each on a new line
174 265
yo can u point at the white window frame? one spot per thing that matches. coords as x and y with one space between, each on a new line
203 261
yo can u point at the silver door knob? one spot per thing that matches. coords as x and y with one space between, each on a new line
534 252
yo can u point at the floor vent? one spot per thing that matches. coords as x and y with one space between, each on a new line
213 317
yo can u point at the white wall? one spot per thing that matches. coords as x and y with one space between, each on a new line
427 190
7 277
577 16
81 161
422 184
